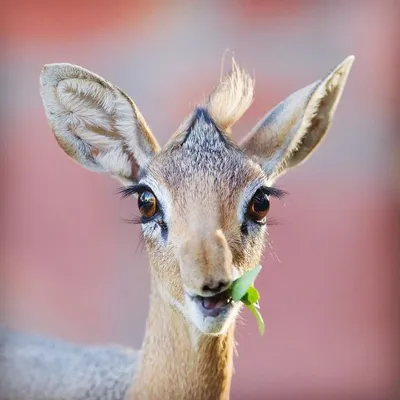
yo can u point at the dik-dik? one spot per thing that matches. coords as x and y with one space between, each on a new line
203 201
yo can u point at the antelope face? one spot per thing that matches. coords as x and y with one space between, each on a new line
208 203
203 200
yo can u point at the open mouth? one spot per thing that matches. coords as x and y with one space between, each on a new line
214 305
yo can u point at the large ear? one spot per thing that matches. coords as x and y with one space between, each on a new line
96 123
295 127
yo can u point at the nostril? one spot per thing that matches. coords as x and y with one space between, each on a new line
215 287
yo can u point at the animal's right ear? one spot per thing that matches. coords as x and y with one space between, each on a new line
95 123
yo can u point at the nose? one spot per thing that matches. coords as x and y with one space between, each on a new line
206 264
215 287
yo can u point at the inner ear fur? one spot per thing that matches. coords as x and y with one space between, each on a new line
95 122
289 133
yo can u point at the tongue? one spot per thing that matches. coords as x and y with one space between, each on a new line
210 304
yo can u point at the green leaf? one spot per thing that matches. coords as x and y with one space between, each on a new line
242 289
241 285
252 295
245 300
256 313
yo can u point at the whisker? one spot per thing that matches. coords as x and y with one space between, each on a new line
272 252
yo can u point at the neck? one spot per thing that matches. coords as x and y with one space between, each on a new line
178 364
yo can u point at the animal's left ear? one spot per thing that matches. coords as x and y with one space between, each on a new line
295 127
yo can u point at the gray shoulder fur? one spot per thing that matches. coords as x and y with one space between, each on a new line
38 368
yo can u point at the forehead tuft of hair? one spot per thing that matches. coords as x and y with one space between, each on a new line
231 98
225 105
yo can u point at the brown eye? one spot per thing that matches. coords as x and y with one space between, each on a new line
259 206
147 204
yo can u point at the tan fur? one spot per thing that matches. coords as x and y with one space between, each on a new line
204 260
173 367
203 182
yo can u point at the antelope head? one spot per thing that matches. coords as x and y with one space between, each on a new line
203 199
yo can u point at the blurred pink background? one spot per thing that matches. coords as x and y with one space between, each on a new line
70 267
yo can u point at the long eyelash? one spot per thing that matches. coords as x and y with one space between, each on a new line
127 191
136 220
274 192
273 222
